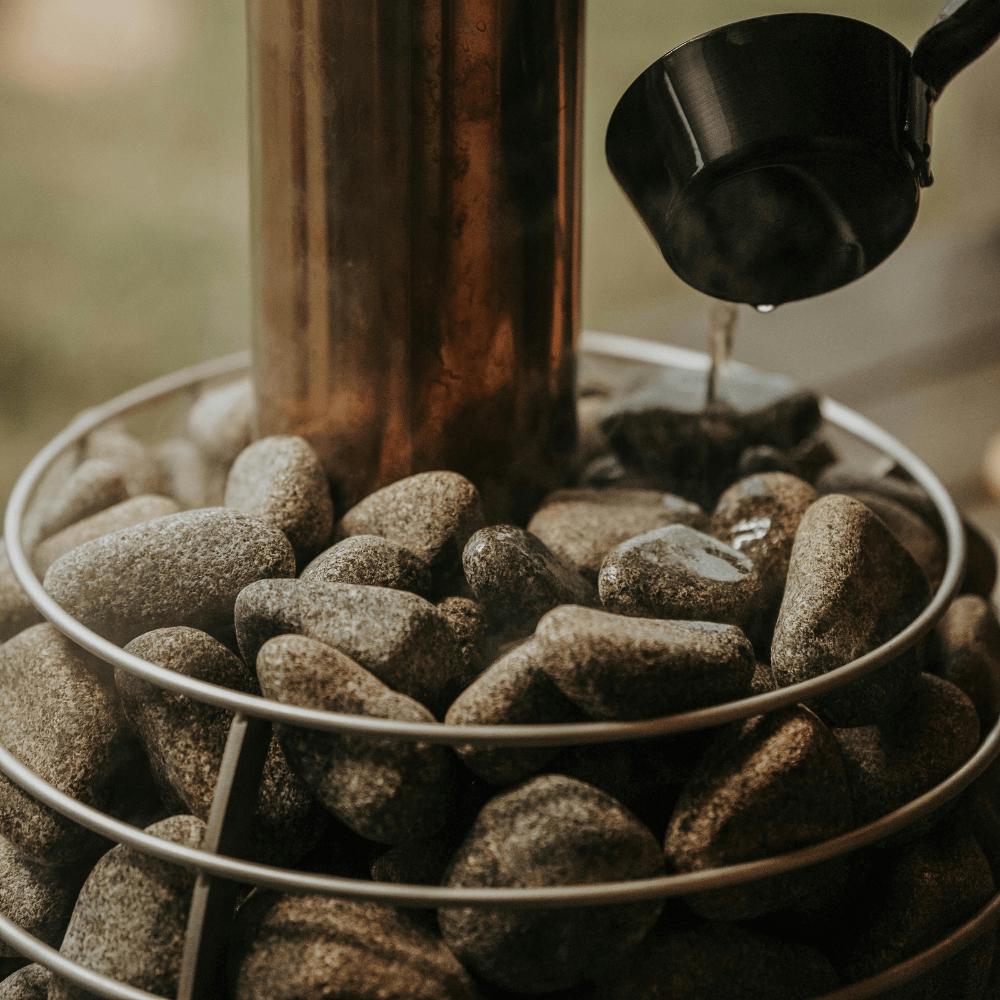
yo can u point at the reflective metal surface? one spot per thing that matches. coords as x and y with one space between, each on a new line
415 225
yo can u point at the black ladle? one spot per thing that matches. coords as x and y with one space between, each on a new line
781 157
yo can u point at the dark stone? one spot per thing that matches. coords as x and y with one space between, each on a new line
413 862
851 587
549 831
968 645
678 572
615 667
372 561
185 739
468 619
185 569
768 785
518 578
29 983
318 948
133 459
582 526
980 563
385 789
842 478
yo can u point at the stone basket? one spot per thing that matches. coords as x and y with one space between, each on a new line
218 862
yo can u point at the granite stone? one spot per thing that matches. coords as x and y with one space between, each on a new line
372 561
550 830
29 983
851 587
617 667
95 485
16 610
221 421
185 569
130 918
468 619
968 646
281 481
384 789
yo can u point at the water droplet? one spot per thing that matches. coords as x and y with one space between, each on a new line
765 309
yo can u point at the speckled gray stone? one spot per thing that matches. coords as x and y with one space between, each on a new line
385 790
29 983
917 895
130 919
319 948
186 569
281 481
126 514
190 477
768 785
513 691
468 619
184 740
582 526
677 572
401 638
890 764
968 642
135 462
433 514
221 420
518 579
720 962
551 830
851 586
16 610
95 485
373 562
616 667
759 516
60 716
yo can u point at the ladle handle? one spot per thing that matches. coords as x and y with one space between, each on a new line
964 30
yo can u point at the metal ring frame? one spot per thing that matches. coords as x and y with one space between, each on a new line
251 730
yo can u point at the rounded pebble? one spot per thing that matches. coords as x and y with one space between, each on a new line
221 420
969 645
16 610
468 619
189 477
372 561
95 485
29 983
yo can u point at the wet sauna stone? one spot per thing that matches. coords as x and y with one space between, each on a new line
280 480
185 569
768 785
127 514
317 948
515 690
433 514
518 578
582 526
29 983
720 962
130 919
221 421
135 462
185 739
386 790
551 830
906 755
401 638
468 620
95 485
372 561
851 586
16 610
616 667
677 572
968 645
49 686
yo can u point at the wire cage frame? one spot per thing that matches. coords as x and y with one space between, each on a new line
218 864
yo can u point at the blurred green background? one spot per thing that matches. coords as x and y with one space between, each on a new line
123 187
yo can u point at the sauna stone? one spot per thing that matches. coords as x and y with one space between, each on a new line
468 620
29 983
968 642
616 667
515 690
130 919
720 962
185 569
414 862
433 514
16 611
280 480
221 421
48 685
518 578
386 790
582 526
313 947
851 586
126 514
373 562
189 477
184 740
550 831
768 785
94 486
401 638
677 572
134 461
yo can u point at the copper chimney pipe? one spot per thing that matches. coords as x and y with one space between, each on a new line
416 233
